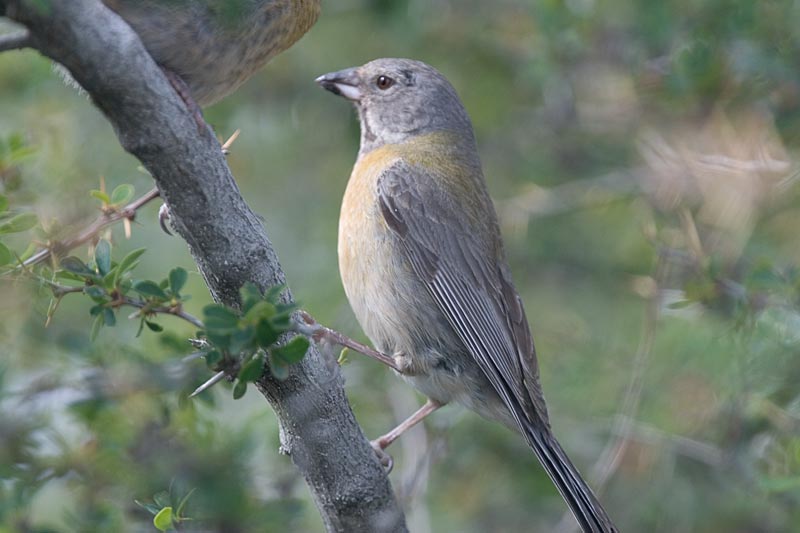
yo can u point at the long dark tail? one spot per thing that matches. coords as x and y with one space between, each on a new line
581 500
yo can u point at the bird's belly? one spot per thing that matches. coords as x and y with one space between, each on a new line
390 303
400 317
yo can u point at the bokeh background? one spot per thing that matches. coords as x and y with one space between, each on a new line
641 158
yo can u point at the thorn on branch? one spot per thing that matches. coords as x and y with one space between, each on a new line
216 378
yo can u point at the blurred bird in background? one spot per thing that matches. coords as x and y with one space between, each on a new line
422 264
213 46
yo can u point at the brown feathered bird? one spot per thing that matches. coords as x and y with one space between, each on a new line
213 46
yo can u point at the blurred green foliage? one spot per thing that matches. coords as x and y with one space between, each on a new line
641 155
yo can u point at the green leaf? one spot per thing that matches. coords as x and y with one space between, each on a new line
109 317
253 369
127 263
3 203
100 195
32 247
213 358
5 255
102 256
278 368
239 389
76 266
242 339
149 507
183 503
150 289
293 351
122 194
220 340
96 325
266 335
250 295
220 319
94 291
262 310
163 520
153 326
177 279
18 223
281 321
162 499
273 293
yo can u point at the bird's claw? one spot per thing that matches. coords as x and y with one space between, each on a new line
384 458
163 219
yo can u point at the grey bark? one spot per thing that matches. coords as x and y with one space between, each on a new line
226 239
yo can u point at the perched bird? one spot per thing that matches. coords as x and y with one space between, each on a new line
213 46
422 263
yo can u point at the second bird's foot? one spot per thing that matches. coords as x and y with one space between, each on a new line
183 91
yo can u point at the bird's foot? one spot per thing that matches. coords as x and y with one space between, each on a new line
186 95
404 365
311 328
383 457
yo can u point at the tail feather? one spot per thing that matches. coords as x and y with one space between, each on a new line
581 500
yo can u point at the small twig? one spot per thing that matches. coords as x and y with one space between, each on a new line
692 236
536 202
311 328
61 290
694 449
90 232
15 41
165 310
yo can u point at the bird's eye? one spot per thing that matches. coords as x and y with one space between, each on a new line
384 82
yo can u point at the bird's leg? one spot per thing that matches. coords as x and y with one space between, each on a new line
186 95
383 442
318 332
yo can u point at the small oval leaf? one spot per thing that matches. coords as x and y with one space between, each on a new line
100 195
5 255
163 519
76 266
19 223
102 256
177 279
122 194
293 351
253 369
239 389
127 263
150 289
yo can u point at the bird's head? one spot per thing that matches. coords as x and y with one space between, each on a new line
398 99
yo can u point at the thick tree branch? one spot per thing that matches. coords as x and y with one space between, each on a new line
226 239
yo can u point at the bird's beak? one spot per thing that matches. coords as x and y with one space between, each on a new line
344 83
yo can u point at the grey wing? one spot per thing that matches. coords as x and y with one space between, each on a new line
460 262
